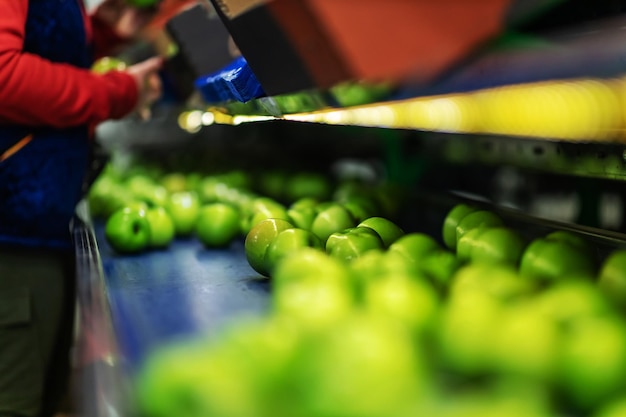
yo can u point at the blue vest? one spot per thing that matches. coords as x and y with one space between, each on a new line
41 183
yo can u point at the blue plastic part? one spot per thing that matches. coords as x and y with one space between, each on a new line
236 82
161 296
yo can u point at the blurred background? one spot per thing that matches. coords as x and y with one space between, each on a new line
412 108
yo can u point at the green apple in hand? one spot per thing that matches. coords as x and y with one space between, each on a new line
162 230
106 64
143 4
184 207
127 230
353 242
218 224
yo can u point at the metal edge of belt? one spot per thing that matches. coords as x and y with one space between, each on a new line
102 387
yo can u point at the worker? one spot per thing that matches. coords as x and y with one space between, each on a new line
50 105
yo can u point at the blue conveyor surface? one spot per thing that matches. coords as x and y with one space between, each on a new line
159 296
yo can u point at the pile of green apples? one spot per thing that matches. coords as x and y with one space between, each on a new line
147 209
367 320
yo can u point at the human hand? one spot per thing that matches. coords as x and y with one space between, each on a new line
126 20
148 82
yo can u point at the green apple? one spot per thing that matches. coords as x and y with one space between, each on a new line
184 207
498 281
491 245
567 301
208 189
350 93
174 182
312 288
464 332
108 195
307 184
439 266
364 366
176 367
262 208
387 229
361 207
466 244
378 262
614 408
313 304
258 241
145 189
414 246
452 220
310 264
332 218
402 298
237 178
525 344
348 189
302 216
108 63
592 361
304 202
137 205
217 225
162 230
353 242
476 219
128 231
155 196
288 242
302 212
272 183
137 182
612 278
553 260
572 239
143 4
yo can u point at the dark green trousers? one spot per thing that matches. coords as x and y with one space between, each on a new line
37 301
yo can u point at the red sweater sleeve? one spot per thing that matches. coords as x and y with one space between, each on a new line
38 92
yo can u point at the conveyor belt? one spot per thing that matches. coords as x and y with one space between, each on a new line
159 296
